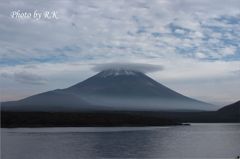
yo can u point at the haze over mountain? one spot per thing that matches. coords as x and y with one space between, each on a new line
111 89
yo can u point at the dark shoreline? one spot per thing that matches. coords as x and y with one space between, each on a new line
81 119
112 118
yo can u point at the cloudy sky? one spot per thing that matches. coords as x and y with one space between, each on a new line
197 42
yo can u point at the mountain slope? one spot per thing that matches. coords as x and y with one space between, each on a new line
110 90
230 113
48 101
120 84
232 108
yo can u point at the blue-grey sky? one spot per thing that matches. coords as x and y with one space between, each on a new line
197 42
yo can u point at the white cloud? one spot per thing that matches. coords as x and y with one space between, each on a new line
200 55
29 78
179 31
228 51
198 34
141 67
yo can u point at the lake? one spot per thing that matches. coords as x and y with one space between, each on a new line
195 141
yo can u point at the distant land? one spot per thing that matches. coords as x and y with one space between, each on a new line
113 98
227 114
110 90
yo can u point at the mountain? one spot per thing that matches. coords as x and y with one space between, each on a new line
230 113
232 108
110 90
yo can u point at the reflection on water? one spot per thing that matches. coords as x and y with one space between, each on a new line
196 141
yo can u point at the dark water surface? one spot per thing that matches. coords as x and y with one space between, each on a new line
195 141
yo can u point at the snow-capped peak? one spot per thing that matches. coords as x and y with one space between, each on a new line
117 72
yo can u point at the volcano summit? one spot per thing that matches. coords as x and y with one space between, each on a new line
110 89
